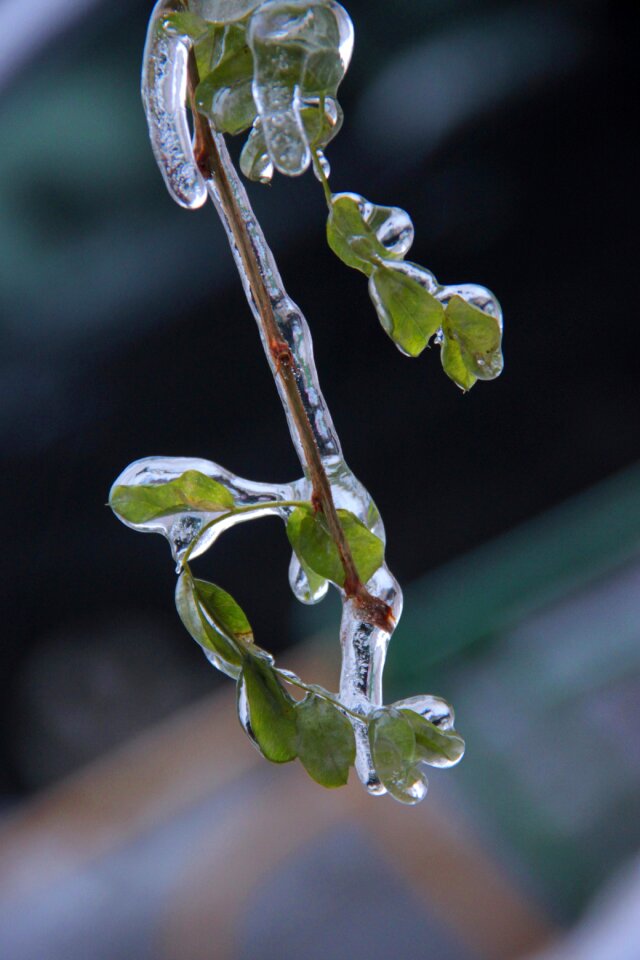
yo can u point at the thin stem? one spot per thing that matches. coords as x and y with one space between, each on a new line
295 681
371 609
250 508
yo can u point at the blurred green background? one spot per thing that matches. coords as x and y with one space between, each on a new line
512 513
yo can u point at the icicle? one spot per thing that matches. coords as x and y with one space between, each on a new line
164 91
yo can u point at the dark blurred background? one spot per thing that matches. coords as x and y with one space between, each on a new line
504 129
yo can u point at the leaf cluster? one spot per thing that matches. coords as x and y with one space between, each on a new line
411 305
272 68
317 729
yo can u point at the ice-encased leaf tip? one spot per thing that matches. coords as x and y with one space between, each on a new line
164 94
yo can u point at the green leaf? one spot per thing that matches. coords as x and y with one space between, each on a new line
234 61
453 364
438 748
207 612
323 70
208 49
478 336
393 748
225 614
191 491
271 719
326 743
407 311
310 538
305 55
232 109
350 233
224 94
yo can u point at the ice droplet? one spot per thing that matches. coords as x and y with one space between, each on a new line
420 274
325 166
255 162
396 232
164 90
434 709
476 295
243 712
300 586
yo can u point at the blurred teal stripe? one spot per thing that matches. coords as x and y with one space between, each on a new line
493 588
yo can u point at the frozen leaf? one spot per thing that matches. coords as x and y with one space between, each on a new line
393 747
225 93
434 709
266 711
478 335
453 364
226 615
296 46
326 743
208 613
231 109
408 312
363 234
321 125
191 491
310 538
437 747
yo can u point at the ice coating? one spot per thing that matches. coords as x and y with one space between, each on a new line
345 33
286 37
364 646
434 709
183 528
392 226
255 162
224 11
478 296
164 88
